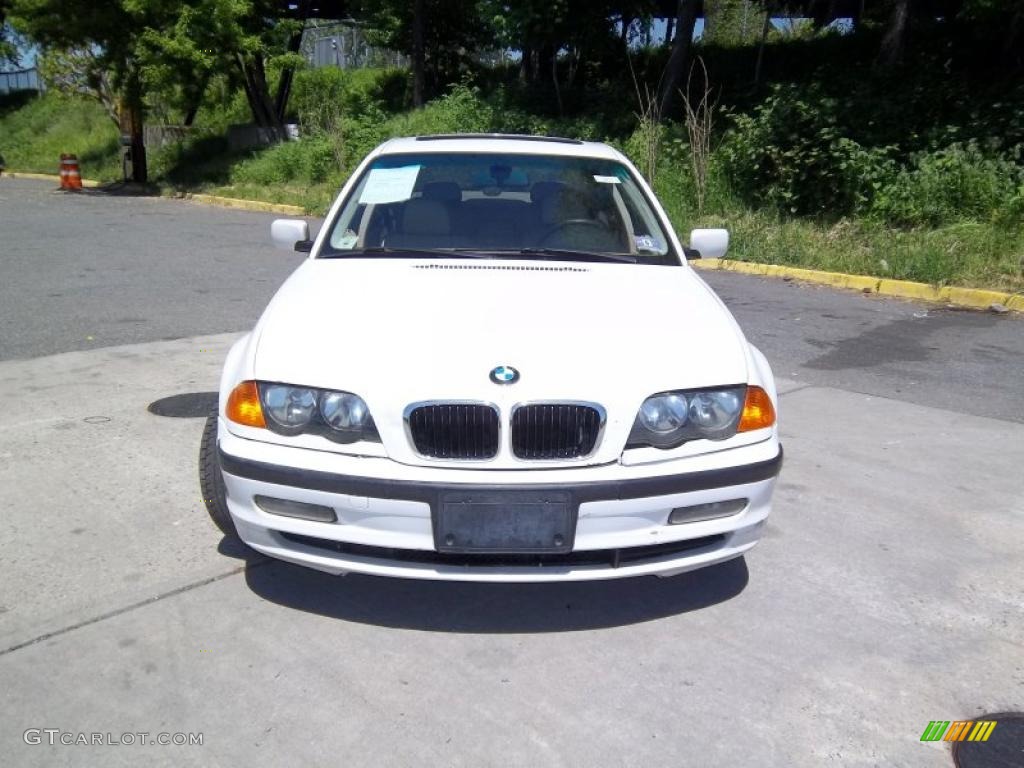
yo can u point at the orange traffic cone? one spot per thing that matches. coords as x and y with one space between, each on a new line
70 176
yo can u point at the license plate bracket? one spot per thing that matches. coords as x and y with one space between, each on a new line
505 522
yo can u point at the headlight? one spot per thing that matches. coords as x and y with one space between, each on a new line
669 419
714 412
339 416
664 414
289 408
343 410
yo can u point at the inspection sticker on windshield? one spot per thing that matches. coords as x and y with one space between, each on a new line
389 185
646 243
607 180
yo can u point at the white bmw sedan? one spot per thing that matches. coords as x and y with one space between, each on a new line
495 365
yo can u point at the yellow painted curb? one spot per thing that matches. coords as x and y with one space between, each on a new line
965 297
246 205
44 177
225 202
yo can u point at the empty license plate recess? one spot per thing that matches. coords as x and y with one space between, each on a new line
510 522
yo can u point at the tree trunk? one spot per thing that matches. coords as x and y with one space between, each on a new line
627 22
524 64
132 119
417 54
195 101
130 123
668 31
760 48
542 64
554 80
284 82
894 42
140 169
1012 41
575 57
686 18
258 95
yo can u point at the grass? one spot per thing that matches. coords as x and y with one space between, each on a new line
975 255
984 254
33 136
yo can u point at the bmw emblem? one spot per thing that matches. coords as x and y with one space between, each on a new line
504 374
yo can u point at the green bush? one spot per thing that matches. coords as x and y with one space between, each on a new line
462 110
308 161
957 183
348 92
1010 215
791 153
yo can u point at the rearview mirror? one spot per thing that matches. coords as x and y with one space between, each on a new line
291 234
710 243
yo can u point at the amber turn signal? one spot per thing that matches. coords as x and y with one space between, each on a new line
758 411
244 405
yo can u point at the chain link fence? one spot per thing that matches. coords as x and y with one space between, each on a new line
344 45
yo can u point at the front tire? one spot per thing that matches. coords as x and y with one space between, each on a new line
211 481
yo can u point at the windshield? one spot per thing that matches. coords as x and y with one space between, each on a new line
495 204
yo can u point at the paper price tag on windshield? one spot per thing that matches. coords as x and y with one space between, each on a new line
389 185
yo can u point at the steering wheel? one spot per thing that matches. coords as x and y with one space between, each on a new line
559 229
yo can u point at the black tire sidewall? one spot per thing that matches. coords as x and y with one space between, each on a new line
211 481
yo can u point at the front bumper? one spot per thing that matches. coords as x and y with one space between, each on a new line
385 523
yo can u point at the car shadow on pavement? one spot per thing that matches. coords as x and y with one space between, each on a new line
188 405
481 608
232 546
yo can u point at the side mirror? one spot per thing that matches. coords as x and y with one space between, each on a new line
291 234
710 243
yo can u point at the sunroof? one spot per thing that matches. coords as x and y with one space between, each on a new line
506 136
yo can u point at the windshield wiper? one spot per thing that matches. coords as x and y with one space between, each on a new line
562 254
565 253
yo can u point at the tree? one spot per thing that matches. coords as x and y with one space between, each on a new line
80 72
418 24
127 48
440 37
894 42
109 33
577 32
245 37
733 22
1002 23
8 50
686 19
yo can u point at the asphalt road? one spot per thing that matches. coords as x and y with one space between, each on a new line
83 272
886 593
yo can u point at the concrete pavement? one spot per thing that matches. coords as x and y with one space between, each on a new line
885 595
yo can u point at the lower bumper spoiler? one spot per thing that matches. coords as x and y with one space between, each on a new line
429 492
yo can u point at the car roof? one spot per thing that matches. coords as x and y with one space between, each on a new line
498 142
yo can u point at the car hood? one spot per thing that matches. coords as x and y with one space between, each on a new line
398 331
